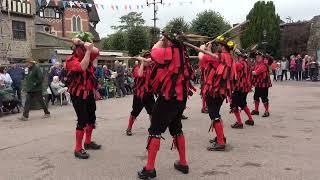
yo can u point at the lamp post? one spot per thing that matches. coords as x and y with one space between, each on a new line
155 10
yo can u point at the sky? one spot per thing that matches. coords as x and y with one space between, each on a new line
234 11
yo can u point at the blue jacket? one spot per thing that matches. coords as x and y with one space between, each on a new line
17 75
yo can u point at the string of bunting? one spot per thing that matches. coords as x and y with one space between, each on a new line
117 7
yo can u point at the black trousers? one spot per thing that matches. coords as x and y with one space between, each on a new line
284 72
17 90
214 105
299 75
274 75
238 100
167 113
34 97
121 86
85 110
261 93
138 104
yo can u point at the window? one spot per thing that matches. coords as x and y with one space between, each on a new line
76 24
19 30
57 15
49 12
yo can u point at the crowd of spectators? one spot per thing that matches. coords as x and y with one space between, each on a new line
300 68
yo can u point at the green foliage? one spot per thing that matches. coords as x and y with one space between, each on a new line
177 24
209 23
263 18
130 20
137 40
116 41
84 36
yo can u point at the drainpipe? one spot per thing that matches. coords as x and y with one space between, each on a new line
63 25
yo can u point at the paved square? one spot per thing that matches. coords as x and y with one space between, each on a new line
285 146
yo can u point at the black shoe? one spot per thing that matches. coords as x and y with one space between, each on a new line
184 117
147 174
266 114
216 147
236 125
82 154
214 140
249 122
129 132
92 146
254 112
181 168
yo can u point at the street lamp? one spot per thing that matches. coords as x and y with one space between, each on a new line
155 10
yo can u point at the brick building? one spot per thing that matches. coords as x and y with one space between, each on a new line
65 19
17 30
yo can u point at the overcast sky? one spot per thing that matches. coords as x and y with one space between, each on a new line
234 11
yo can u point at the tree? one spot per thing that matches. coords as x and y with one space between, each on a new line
263 29
130 20
116 41
209 23
137 40
177 24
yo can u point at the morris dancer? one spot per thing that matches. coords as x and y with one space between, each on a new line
262 83
243 86
221 73
82 82
171 81
143 98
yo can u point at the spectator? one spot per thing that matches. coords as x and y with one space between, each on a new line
34 90
274 67
55 70
120 79
299 68
59 88
305 67
293 67
284 68
5 79
107 72
314 69
99 72
17 74
63 74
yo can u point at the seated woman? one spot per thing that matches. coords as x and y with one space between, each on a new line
59 88
5 79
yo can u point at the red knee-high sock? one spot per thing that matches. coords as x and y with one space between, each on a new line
247 111
238 116
88 131
218 127
79 138
153 148
181 146
131 121
266 106
256 105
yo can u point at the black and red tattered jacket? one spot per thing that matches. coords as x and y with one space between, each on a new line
262 77
142 85
220 75
244 76
81 82
171 73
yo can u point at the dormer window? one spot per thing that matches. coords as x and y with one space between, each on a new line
49 13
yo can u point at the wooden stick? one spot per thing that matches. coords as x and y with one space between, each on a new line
235 27
199 50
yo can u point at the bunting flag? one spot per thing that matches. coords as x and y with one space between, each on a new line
114 6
